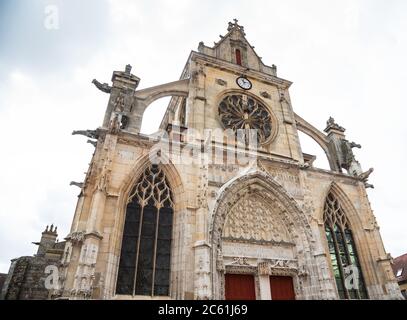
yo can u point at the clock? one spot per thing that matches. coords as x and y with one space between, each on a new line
244 83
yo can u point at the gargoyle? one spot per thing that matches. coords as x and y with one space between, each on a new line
365 175
102 86
93 143
77 184
347 153
355 145
368 185
93 134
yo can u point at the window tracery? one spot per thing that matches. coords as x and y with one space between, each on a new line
144 267
241 111
342 251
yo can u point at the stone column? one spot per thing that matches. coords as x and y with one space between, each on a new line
264 284
202 281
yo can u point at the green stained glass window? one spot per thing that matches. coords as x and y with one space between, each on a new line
342 251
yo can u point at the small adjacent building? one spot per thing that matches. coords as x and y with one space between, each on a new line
400 272
27 274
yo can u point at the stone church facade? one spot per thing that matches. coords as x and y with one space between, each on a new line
171 216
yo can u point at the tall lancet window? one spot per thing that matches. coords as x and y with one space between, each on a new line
144 267
344 258
238 57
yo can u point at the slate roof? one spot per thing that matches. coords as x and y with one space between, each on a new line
400 263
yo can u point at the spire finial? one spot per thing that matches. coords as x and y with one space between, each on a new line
235 25
128 69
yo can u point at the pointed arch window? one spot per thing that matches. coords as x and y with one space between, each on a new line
144 267
238 57
342 251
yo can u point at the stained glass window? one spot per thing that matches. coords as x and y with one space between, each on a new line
144 267
345 263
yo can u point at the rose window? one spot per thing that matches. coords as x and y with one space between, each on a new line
240 111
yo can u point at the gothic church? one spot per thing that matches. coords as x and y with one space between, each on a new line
171 224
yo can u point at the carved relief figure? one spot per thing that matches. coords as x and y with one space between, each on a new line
253 219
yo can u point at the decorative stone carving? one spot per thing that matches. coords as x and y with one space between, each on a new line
234 25
365 175
202 192
219 261
282 97
240 111
221 82
93 143
85 280
252 219
77 237
265 94
103 178
119 103
93 134
241 261
102 87
331 124
76 184
349 157
270 267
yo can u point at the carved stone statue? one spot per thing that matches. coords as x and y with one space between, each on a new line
347 154
331 124
102 86
128 69
115 121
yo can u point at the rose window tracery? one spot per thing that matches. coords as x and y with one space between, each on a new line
242 112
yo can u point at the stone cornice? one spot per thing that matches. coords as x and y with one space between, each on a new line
138 139
332 173
239 70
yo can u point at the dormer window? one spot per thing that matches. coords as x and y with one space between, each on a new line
399 272
238 57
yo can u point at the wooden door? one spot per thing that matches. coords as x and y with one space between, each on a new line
282 288
239 287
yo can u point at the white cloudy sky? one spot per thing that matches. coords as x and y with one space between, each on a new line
346 59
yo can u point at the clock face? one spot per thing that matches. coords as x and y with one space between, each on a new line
244 83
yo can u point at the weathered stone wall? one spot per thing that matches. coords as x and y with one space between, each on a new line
27 279
205 194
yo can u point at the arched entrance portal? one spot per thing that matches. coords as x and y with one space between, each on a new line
261 241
